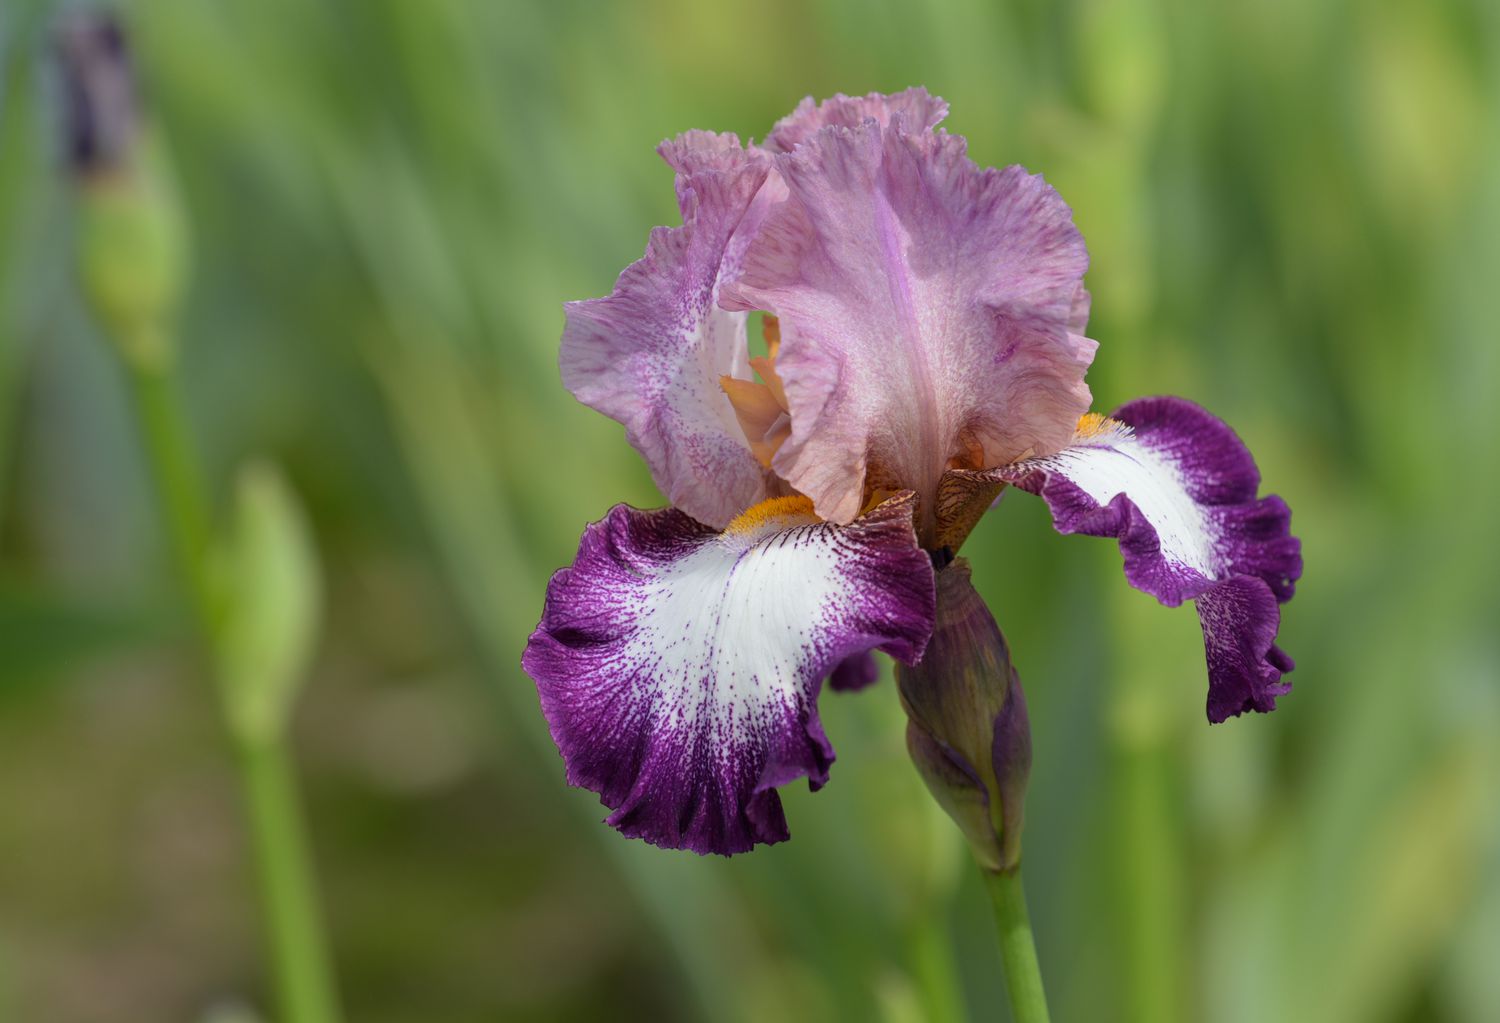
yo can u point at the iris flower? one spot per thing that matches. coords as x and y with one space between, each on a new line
925 348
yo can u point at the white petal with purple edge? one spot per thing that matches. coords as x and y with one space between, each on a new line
1114 461
679 667
1178 489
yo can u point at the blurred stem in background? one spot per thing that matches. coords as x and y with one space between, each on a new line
177 486
254 590
930 953
1150 861
254 711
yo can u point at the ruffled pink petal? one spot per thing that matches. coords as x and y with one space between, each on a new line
915 109
929 310
651 354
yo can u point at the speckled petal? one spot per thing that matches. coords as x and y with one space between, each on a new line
1178 489
927 311
651 354
679 667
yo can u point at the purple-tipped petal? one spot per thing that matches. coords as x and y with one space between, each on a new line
652 353
679 667
1245 668
927 311
855 673
1178 489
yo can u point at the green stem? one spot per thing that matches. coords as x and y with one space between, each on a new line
299 954
296 945
1148 867
166 438
1023 975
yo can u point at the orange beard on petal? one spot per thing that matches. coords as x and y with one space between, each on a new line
1091 424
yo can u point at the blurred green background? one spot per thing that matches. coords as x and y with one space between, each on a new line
1294 215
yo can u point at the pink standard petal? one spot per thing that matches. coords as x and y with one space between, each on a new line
915 108
679 667
650 355
928 312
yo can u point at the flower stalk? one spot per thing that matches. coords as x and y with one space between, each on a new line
970 739
296 944
253 593
1023 974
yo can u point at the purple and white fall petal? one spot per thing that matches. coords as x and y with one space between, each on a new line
679 667
1178 489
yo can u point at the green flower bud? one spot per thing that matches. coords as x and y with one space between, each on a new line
267 575
967 730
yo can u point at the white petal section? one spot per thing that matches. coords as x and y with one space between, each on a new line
1111 460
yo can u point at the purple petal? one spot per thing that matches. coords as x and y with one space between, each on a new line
694 152
651 354
1240 617
915 109
1011 756
1178 489
679 668
926 309
855 673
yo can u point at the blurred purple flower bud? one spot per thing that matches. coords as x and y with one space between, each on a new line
967 729
103 113
132 239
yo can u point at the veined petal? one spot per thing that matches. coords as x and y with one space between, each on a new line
652 353
916 109
928 313
963 496
679 667
1178 489
696 151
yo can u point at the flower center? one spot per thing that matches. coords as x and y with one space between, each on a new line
761 407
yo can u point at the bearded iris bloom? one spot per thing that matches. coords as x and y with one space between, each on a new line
925 349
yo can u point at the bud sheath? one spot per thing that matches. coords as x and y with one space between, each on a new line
967 730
